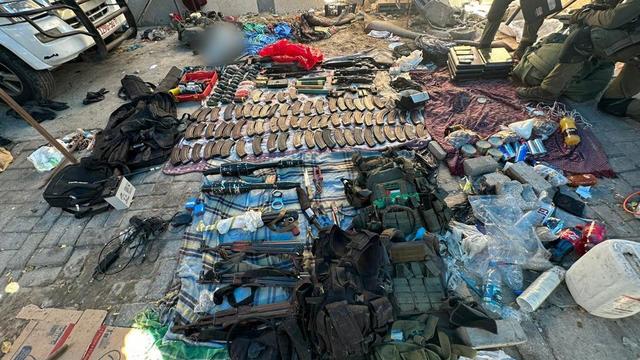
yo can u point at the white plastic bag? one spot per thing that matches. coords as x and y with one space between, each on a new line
410 62
249 221
45 158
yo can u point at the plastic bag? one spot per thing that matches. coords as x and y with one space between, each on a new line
45 158
249 221
553 176
410 62
283 51
472 241
544 128
205 302
523 128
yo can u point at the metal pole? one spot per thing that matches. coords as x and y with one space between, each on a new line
34 124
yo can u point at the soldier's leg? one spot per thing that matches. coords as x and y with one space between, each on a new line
529 36
576 50
618 98
494 17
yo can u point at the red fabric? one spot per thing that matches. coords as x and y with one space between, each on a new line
457 104
283 51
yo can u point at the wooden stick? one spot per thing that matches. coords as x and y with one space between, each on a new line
34 124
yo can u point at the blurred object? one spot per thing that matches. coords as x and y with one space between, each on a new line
632 207
221 43
5 159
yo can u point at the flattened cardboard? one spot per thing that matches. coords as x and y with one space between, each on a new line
49 329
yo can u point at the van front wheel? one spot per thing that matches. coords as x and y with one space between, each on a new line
22 82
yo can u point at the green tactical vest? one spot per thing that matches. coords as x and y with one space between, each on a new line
419 339
538 62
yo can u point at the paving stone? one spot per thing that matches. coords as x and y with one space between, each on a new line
165 272
115 218
144 189
12 241
98 221
21 224
39 277
632 177
536 347
58 229
141 288
19 197
480 166
47 220
622 164
128 312
148 202
72 234
54 256
75 264
171 248
526 175
38 208
22 255
161 188
5 256
94 236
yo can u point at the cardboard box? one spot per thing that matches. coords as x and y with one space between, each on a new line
82 334
123 196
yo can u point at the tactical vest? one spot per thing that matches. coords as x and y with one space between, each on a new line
420 339
348 311
394 192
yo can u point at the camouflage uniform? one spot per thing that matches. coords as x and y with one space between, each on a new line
494 17
612 34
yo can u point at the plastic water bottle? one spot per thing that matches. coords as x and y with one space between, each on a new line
513 278
492 294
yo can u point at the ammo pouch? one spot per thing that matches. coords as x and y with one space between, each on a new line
539 60
421 340
347 331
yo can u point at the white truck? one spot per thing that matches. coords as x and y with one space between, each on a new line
36 36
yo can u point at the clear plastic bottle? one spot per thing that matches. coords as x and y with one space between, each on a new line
513 278
492 292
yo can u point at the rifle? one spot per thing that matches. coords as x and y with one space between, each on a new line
262 247
240 169
240 187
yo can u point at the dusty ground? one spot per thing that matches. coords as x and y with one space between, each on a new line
52 255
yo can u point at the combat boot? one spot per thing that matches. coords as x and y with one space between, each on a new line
535 93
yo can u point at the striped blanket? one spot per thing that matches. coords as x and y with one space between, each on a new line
195 296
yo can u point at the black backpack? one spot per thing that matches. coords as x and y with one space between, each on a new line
80 188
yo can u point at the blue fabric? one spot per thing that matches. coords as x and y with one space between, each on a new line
258 36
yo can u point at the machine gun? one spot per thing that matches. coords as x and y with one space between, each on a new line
225 187
240 169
